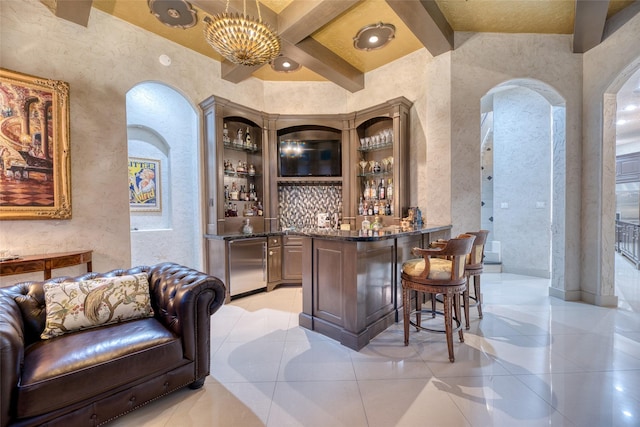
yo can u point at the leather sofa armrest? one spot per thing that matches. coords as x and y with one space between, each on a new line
11 350
184 300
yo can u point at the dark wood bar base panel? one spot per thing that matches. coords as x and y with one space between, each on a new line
351 288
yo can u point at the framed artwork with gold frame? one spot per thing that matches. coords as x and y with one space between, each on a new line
35 164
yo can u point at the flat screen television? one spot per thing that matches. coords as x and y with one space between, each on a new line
308 158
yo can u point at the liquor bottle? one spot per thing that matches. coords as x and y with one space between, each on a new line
381 190
360 207
390 190
376 208
366 224
369 209
388 208
367 191
225 135
247 139
233 193
374 192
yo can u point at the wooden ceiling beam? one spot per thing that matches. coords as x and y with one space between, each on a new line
301 19
324 62
295 24
76 11
235 73
425 19
589 22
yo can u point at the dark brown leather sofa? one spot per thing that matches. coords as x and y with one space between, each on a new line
90 377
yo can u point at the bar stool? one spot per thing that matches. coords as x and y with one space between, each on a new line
473 269
439 270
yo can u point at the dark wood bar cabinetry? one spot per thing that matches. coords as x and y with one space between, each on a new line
315 178
351 287
236 176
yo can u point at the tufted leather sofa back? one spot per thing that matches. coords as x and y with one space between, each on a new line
30 298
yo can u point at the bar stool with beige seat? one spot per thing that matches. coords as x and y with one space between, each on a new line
439 270
473 269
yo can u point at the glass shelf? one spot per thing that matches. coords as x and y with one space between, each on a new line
375 174
375 147
238 147
241 175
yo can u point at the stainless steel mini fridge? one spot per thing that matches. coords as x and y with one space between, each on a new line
247 265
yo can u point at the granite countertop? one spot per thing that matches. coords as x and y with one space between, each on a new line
331 234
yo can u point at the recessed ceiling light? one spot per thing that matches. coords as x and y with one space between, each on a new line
621 122
374 36
283 64
630 107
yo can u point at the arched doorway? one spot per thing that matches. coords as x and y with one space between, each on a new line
162 133
621 152
523 177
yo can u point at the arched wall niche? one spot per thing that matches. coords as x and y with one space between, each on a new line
163 125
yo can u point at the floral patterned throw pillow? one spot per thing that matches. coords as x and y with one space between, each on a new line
72 306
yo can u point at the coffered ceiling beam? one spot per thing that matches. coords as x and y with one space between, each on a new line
588 27
235 73
425 19
76 11
324 62
295 24
619 19
302 18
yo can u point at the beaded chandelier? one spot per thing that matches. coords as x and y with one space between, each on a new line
241 39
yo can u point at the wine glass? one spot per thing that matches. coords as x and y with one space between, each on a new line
385 164
363 164
372 164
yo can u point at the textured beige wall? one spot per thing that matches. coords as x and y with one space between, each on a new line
101 63
483 61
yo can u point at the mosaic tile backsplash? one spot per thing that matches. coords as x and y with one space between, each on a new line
299 205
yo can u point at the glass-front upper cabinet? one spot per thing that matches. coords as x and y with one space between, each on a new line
380 166
235 173
242 166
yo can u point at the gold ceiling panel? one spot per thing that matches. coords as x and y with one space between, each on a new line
138 13
338 35
504 16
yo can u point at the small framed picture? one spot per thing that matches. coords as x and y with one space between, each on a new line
144 185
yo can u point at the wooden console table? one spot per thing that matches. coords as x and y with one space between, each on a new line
45 263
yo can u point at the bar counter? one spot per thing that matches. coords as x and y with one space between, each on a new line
351 288
392 232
